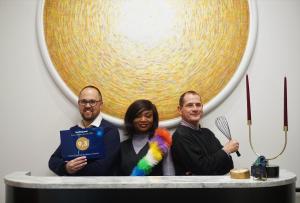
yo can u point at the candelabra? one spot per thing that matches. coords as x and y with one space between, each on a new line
261 168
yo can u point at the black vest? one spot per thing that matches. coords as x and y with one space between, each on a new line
129 159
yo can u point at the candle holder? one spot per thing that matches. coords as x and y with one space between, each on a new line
261 169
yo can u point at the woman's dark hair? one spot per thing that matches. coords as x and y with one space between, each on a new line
134 110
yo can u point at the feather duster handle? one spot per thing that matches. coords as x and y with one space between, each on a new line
159 144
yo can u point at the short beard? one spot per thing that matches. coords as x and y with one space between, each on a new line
89 119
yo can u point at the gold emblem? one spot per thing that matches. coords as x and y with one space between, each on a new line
82 143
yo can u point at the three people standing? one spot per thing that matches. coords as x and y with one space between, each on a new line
195 150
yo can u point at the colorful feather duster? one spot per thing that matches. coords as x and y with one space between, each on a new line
159 144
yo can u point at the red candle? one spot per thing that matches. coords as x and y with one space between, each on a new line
285 113
248 101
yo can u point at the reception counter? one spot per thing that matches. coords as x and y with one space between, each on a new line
22 187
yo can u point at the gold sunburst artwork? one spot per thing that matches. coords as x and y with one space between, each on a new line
141 49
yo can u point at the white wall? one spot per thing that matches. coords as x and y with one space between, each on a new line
33 109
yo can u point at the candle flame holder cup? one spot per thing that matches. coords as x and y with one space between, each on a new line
261 169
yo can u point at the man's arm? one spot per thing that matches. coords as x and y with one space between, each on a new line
56 163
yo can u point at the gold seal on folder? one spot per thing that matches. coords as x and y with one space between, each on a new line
240 173
82 143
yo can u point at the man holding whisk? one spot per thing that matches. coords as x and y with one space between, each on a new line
196 150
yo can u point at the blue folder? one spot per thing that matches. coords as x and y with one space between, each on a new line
85 142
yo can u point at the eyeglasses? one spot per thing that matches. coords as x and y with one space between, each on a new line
84 102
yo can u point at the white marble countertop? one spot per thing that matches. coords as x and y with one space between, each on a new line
25 180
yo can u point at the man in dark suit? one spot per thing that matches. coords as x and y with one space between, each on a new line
89 104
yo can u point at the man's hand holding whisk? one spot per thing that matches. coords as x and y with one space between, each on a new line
231 146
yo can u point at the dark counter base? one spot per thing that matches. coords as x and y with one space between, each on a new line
278 194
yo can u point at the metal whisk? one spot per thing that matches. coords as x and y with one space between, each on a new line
222 124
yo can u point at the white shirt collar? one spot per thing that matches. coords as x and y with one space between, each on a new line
95 123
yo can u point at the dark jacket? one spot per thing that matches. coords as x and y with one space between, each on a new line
199 152
94 167
129 159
